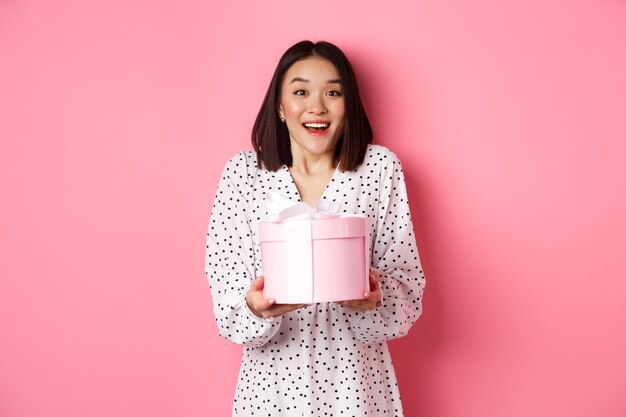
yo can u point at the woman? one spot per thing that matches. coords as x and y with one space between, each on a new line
312 142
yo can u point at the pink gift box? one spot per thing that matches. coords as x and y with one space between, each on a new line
315 260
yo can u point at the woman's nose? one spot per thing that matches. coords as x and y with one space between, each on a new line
316 104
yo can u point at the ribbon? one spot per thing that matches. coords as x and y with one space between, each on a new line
280 208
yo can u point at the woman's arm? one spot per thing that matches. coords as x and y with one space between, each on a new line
396 259
230 260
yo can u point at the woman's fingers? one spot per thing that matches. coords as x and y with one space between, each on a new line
257 284
374 293
266 307
370 299
261 304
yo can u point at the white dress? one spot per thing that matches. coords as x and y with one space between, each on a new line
323 359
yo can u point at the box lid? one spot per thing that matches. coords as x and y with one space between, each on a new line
329 228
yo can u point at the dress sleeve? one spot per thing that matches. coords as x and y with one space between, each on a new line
395 257
229 263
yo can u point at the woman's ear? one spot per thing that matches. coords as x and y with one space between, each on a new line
281 113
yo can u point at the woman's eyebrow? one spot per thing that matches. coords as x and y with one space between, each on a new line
302 80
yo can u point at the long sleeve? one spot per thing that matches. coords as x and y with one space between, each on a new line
395 257
229 263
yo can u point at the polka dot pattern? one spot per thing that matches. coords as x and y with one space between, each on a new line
324 359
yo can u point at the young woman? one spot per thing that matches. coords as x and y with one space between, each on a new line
312 141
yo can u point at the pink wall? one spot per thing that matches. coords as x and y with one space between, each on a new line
116 118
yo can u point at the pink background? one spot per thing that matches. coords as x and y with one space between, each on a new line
116 118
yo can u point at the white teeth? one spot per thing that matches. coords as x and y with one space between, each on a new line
317 125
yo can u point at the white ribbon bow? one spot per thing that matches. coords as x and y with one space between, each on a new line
280 208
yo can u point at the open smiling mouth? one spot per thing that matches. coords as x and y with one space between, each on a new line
316 127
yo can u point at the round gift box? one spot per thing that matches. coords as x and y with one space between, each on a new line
315 260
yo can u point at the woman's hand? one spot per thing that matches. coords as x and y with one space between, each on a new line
371 298
266 307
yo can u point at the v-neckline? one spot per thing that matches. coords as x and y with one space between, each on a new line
295 187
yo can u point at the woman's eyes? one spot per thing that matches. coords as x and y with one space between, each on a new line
332 93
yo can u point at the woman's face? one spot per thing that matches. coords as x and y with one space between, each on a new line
312 103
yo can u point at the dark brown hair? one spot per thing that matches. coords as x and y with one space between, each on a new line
270 137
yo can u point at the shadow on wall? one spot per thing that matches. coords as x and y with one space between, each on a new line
416 356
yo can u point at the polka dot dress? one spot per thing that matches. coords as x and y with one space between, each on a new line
325 359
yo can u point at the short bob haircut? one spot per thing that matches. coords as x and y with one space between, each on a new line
270 137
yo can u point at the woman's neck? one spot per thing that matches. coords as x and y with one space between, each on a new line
308 164
311 175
